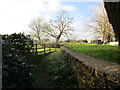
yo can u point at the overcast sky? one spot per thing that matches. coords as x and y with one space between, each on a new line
16 15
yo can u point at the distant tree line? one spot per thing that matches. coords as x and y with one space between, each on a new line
80 41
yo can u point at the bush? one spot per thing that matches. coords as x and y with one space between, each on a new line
18 42
15 73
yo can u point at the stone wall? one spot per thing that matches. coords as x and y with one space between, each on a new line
92 72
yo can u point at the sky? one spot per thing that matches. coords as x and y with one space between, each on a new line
16 15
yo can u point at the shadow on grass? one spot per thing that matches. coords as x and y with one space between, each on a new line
52 71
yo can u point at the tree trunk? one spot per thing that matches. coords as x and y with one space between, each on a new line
39 39
103 39
58 37
117 33
108 38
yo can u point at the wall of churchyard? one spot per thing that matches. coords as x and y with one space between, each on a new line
92 72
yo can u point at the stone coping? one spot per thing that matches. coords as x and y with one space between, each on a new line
97 64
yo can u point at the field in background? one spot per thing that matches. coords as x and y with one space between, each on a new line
105 52
40 49
47 50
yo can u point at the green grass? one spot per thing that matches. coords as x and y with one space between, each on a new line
69 43
56 67
46 50
60 72
105 52
35 78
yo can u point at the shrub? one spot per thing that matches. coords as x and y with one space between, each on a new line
15 72
18 42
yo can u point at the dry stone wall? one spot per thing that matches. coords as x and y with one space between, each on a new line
92 72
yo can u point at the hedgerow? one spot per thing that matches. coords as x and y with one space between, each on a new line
15 70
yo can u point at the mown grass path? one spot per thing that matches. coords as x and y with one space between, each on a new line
40 79
43 79
52 71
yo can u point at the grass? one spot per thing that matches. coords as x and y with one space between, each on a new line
68 43
47 49
105 52
41 51
55 67
35 78
60 72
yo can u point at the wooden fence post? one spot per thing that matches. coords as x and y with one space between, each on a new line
49 47
55 46
36 49
33 49
44 48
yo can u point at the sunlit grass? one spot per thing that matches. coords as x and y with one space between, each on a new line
47 50
105 52
59 70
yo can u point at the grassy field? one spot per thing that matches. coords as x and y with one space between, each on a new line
105 52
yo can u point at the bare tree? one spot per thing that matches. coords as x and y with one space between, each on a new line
103 27
60 26
36 28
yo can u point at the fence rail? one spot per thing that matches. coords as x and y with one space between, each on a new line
39 49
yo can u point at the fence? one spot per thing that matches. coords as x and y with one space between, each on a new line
39 49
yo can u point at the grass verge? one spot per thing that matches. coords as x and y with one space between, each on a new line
60 72
35 73
52 71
